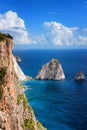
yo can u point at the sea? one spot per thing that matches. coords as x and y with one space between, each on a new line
58 105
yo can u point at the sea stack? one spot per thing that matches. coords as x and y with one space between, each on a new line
51 71
80 76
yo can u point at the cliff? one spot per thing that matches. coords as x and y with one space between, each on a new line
15 113
51 71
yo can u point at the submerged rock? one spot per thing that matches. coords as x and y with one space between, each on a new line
79 76
51 71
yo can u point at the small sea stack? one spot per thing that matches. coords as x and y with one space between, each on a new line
51 71
79 76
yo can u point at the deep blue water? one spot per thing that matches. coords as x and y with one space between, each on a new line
59 105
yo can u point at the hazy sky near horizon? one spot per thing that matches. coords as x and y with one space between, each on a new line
45 23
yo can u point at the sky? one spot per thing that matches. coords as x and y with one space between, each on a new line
45 24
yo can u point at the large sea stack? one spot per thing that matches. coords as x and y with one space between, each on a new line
15 112
51 71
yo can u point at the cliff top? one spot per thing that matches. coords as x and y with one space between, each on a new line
54 61
4 36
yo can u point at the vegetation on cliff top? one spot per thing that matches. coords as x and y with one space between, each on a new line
3 36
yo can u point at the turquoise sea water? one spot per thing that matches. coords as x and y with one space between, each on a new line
59 105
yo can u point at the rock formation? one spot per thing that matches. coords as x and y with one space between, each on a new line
18 59
15 112
51 71
79 76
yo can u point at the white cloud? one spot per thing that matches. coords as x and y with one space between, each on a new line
60 35
39 39
11 23
81 40
10 20
55 34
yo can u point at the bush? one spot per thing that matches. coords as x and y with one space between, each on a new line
3 36
9 36
40 126
2 75
1 92
22 99
21 86
28 123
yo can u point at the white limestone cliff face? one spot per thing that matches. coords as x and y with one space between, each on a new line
21 76
51 71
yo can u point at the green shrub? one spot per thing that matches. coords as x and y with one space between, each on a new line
28 123
40 126
21 86
22 99
1 92
3 36
9 36
2 75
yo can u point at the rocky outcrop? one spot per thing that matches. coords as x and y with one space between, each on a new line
79 76
18 59
51 71
15 112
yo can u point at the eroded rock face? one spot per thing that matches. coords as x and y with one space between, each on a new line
80 76
51 71
15 112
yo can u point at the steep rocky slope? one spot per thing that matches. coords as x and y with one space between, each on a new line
51 71
15 113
